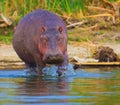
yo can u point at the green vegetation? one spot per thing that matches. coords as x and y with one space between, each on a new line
6 39
99 14
23 7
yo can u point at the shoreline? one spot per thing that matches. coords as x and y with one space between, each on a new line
84 50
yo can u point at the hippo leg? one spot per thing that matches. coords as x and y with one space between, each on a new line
35 68
40 65
63 67
31 69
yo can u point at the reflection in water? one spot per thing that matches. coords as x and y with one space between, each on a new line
88 87
39 90
39 86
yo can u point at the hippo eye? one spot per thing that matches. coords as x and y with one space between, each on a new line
42 29
60 29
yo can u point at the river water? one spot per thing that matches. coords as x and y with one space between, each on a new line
89 86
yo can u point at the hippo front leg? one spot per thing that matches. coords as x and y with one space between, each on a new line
36 68
31 70
40 65
64 66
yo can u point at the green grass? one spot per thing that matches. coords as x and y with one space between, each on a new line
17 9
118 41
23 7
70 9
6 39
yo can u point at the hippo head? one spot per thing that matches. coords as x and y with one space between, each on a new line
52 44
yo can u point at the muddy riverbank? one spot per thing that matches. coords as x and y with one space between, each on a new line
82 50
8 57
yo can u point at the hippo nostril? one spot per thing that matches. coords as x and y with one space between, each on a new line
49 57
57 55
54 59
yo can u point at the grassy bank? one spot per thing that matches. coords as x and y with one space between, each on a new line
100 16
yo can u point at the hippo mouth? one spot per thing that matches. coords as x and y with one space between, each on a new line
57 59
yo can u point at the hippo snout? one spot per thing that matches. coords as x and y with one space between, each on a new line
53 59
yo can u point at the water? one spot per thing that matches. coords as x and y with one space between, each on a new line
90 86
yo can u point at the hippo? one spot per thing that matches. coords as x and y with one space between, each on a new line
41 38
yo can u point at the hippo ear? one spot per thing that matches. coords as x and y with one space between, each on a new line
42 29
60 29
